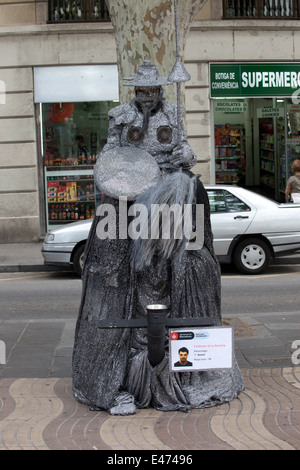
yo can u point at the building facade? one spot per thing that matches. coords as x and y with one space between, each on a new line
242 111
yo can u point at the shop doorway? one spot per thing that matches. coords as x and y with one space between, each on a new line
255 142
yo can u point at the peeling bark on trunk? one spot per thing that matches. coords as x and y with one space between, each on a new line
145 30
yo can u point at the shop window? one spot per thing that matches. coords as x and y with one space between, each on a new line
68 11
267 152
279 145
257 137
263 9
229 150
223 201
289 147
256 141
72 135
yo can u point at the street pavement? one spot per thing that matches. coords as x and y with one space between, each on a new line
37 410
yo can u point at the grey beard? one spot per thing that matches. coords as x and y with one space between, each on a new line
147 110
177 188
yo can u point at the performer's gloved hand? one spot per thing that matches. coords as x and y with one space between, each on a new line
183 155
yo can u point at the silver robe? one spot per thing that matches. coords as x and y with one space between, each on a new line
111 363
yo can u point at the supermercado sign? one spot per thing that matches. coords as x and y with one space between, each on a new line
254 80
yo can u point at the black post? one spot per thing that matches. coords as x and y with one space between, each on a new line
156 318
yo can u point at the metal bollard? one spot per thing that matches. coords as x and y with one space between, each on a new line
156 318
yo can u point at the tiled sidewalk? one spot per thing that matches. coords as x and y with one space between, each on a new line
38 411
42 414
43 347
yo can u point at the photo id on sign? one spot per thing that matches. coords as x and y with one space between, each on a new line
201 348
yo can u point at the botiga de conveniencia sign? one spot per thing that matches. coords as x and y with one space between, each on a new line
254 80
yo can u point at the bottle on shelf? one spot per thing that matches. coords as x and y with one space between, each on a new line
82 212
68 212
82 159
60 215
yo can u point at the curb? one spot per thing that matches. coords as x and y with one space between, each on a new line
37 267
26 268
282 261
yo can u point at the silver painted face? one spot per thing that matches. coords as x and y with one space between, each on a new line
148 96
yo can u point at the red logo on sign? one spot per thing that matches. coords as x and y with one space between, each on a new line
174 336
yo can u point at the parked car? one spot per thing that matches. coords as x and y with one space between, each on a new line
249 230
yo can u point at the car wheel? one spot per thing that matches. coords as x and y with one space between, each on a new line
78 259
252 256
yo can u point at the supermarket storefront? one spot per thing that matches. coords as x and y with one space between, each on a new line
256 119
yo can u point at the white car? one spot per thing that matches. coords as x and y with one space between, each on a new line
249 230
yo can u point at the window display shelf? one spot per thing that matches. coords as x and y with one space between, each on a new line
267 165
267 153
227 181
228 153
268 181
269 171
263 157
68 167
227 146
267 137
229 158
70 196
269 149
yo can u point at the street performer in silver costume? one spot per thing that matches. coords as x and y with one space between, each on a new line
145 160
149 122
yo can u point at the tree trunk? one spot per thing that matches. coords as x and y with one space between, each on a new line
145 30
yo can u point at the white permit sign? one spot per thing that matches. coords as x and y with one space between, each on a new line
201 348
